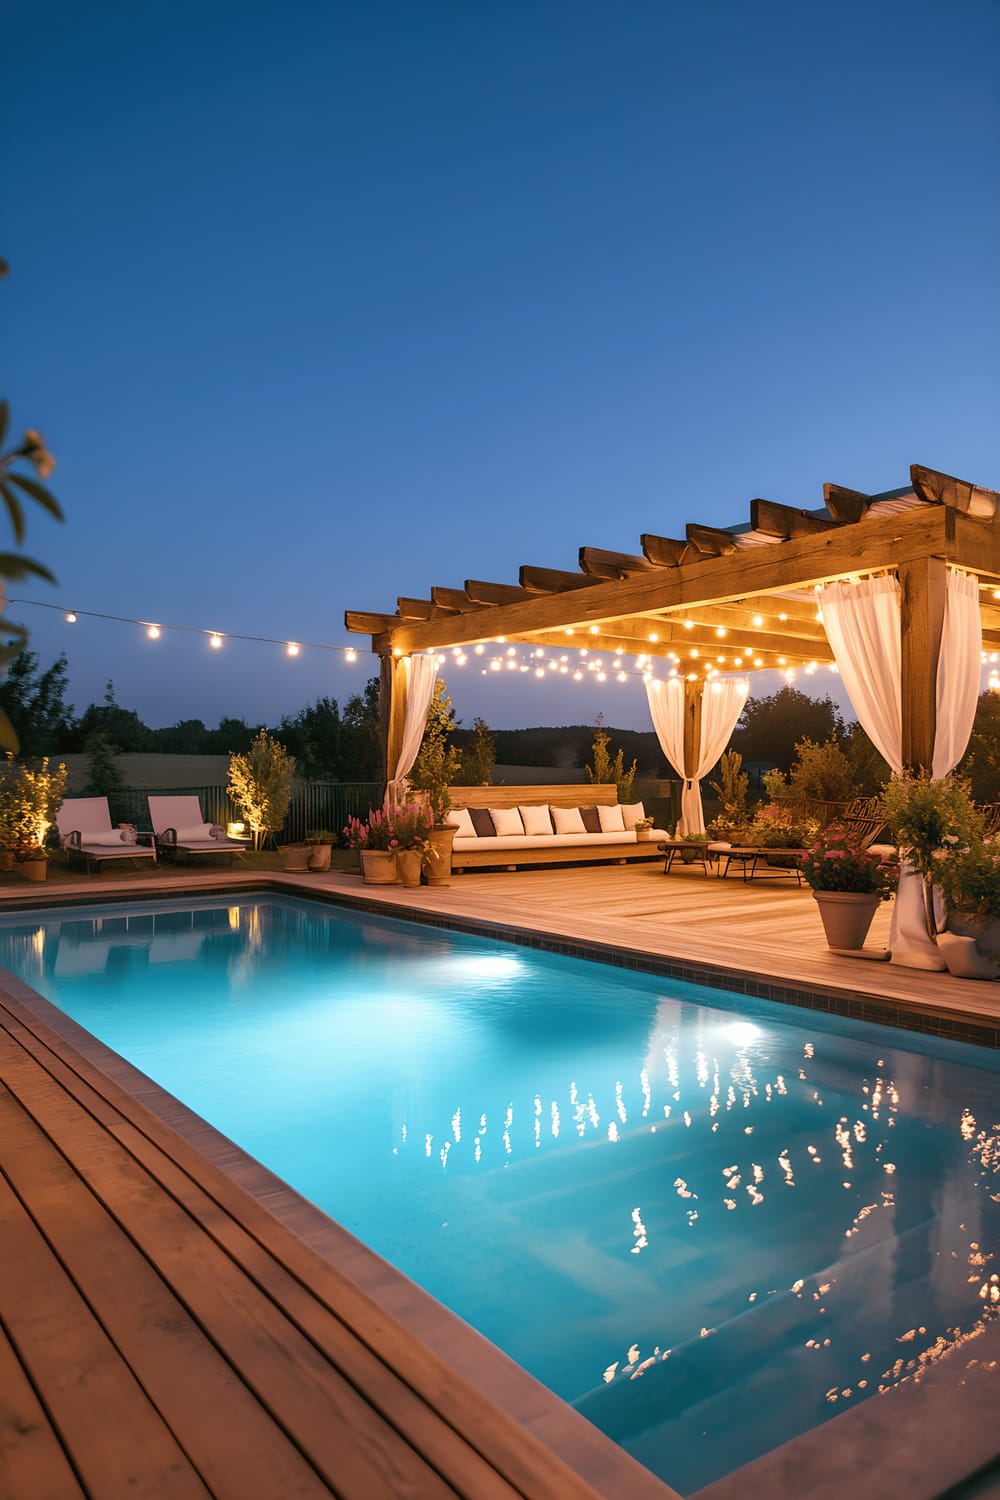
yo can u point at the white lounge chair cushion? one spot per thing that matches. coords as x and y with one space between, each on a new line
632 812
536 818
567 820
506 821
612 818
104 840
459 818
195 835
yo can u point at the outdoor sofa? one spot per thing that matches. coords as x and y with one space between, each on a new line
533 825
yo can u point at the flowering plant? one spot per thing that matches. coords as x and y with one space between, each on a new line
931 819
373 833
403 827
410 824
837 862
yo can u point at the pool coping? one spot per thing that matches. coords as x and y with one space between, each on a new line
924 1437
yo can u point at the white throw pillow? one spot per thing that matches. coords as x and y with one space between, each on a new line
459 816
612 819
632 812
536 819
506 821
567 820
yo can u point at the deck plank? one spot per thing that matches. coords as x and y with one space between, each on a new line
32 1460
339 1432
69 1357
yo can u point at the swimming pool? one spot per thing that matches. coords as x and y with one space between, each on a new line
707 1221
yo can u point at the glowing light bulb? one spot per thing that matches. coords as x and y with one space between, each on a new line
153 631
577 676
292 648
480 648
623 677
71 617
758 620
215 641
350 654
595 629
720 631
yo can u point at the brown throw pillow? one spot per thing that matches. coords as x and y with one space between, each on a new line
482 822
591 819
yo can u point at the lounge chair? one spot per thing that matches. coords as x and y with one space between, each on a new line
178 826
85 830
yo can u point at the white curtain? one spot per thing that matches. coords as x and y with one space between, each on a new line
959 671
862 623
419 677
721 705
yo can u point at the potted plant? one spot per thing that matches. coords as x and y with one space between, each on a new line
372 839
967 879
410 825
644 828
30 797
847 882
930 820
32 861
321 842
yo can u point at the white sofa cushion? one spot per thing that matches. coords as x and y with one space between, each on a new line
506 821
536 818
567 820
621 841
612 818
632 812
459 817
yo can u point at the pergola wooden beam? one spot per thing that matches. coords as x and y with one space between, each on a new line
494 593
664 551
784 521
845 506
601 564
553 580
454 599
415 609
712 540
800 563
942 489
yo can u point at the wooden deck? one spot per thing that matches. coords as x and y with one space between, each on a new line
176 1322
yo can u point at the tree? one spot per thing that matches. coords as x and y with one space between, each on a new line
122 726
104 777
35 704
438 764
605 769
819 773
314 736
478 755
260 783
362 752
981 761
770 728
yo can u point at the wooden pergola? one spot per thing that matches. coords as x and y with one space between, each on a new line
727 599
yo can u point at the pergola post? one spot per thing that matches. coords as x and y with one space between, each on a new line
391 710
692 728
922 585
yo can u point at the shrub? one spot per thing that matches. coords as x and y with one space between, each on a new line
260 783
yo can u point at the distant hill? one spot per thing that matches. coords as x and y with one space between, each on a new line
568 748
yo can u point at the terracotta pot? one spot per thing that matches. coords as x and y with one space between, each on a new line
295 856
378 867
437 855
964 958
846 917
34 869
408 862
319 856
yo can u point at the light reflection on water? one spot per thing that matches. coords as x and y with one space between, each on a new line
708 1221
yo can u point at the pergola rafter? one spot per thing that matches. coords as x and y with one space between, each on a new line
732 592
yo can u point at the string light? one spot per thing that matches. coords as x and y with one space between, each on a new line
215 641
153 631
292 648
70 613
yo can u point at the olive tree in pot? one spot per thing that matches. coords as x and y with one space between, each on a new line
260 783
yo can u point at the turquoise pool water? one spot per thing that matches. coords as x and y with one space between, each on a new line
709 1222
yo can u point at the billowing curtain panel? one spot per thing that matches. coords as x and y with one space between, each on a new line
863 627
721 705
421 675
666 709
861 621
959 671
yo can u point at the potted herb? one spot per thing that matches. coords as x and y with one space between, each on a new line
373 840
643 828
32 861
321 842
847 882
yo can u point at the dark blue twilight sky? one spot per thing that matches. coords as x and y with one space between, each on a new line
320 303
